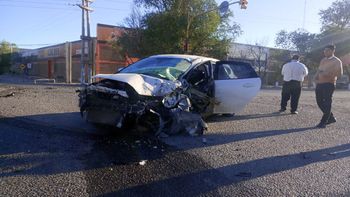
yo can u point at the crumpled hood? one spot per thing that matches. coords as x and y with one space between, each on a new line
143 84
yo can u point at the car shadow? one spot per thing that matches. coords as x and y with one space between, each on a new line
213 139
41 140
219 118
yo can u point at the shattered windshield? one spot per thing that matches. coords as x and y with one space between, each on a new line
169 68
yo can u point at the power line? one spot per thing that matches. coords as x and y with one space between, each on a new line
46 44
59 19
117 2
64 7
33 2
109 8
36 1
35 7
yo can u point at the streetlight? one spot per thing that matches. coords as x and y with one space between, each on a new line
243 4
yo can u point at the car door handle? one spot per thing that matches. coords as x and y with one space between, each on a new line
248 85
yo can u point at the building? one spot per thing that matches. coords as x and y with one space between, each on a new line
264 59
62 61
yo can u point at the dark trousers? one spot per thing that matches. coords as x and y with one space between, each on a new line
324 93
291 90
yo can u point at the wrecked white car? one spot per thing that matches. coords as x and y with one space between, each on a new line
169 93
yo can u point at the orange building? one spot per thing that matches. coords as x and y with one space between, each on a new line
62 61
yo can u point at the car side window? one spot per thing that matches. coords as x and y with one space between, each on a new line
225 72
234 70
199 74
203 68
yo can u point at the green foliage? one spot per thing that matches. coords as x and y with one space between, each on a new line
283 40
130 42
335 30
336 17
299 40
159 5
6 50
277 59
341 39
169 23
163 33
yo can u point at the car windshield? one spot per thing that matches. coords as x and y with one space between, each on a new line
169 68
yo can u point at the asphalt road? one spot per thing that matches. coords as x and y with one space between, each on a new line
47 150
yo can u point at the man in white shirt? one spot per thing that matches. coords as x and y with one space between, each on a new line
293 75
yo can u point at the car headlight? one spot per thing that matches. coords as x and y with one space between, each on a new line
170 100
177 100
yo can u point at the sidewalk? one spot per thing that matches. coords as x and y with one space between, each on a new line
29 80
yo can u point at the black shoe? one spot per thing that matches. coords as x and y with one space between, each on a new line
294 112
282 110
321 125
331 120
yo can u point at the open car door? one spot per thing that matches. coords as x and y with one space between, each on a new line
236 84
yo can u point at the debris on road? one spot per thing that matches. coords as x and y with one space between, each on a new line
7 92
142 163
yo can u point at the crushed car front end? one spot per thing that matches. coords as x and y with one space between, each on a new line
155 105
116 103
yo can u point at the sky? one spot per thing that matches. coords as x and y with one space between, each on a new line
39 23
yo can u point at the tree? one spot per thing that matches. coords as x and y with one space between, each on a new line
340 38
336 17
130 42
299 40
335 30
302 42
169 25
277 58
159 5
6 51
283 40
259 55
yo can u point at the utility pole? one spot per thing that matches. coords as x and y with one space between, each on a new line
85 40
89 42
304 14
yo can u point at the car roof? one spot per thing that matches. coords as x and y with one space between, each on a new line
192 58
